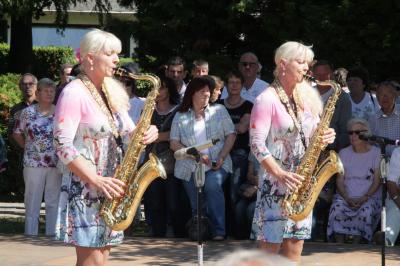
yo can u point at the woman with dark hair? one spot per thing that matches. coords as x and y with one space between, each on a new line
164 198
197 121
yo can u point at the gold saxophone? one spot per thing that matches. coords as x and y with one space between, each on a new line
118 213
299 204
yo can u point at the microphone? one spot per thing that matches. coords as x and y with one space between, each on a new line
193 151
379 140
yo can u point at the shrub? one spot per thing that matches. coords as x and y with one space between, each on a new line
46 60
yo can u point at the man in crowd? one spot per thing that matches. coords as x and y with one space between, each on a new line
176 71
249 66
200 68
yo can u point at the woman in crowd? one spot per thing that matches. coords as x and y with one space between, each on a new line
196 122
283 119
34 133
91 119
239 110
356 206
164 199
363 102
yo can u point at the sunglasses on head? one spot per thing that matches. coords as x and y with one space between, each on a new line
357 132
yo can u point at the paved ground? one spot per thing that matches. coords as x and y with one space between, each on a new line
18 250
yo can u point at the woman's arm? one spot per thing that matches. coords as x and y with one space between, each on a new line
19 138
243 125
228 144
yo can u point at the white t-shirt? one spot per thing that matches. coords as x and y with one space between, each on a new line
135 111
200 135
394 167
251 93
367 107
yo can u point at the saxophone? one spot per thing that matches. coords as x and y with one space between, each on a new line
118 213
299 204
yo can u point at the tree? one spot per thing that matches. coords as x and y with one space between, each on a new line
348 33
21 13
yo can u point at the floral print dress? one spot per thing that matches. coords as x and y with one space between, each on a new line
81 129
273 133
359 176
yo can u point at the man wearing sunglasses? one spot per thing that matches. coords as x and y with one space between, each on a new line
250 67
27 85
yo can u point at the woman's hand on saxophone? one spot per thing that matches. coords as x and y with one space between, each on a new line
151 135
111 187
328 136
290 180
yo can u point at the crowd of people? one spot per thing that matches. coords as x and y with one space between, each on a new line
73 135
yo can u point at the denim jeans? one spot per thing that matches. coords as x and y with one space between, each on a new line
213 198
392 221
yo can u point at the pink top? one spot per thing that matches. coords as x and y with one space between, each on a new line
81 128
273 133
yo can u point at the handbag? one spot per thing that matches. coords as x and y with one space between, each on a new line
166 157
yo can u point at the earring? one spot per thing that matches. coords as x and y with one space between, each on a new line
91 67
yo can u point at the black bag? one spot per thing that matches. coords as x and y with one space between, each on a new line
205 227
166 157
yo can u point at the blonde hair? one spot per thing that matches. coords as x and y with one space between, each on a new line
306 94
96 41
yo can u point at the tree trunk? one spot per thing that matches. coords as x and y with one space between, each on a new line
21 55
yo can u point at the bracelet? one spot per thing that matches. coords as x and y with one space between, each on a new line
395 197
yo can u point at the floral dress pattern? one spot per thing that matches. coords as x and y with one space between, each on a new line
359 171
81 129
37 130
273 133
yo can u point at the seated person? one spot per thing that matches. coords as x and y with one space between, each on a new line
393 200
356 205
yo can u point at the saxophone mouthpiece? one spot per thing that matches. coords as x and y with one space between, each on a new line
309 78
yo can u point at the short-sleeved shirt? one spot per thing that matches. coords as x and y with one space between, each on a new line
394 167
242 140
367 107
37 130
218 125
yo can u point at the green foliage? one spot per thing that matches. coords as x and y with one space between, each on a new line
11 181
348 33
47 60
9 96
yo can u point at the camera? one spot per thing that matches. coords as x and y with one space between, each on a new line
214 163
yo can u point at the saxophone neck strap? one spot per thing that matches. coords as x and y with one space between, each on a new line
294 114
103 103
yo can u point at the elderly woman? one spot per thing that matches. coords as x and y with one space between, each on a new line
195 122
91 119
386 121
283 119
355 206
34 133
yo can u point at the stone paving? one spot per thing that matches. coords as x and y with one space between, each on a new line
20 250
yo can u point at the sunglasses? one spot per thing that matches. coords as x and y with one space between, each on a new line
28 84
357 132
246 64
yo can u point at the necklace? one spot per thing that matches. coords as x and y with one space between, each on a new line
104 105
293 112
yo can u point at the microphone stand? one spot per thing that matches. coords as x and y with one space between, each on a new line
383 168
199 178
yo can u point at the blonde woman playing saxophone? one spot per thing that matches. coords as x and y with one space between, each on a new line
91 119
283 120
